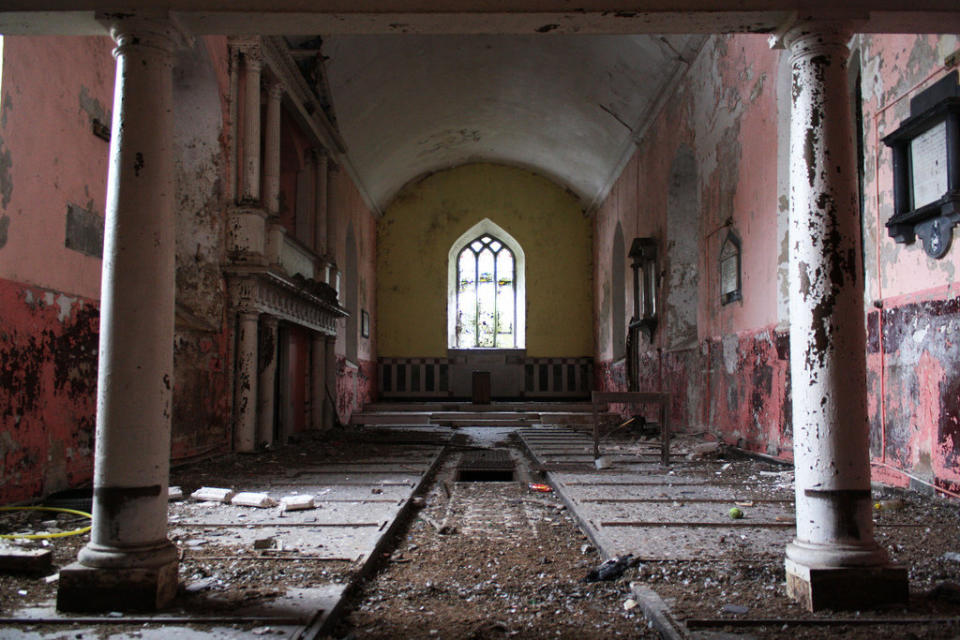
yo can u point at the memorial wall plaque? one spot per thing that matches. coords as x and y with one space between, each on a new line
926 168
928 161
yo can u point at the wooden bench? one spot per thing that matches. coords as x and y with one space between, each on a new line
634 397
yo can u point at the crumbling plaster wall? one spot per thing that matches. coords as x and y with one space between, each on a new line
736 383
356 381
726 365
201 399
53 186
53 172
912 301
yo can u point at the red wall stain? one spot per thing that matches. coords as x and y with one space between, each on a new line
914 357
736 388
48 380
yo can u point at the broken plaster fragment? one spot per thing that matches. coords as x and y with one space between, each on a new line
295 503
212 494
252 499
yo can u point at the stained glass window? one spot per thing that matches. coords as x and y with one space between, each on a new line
486 295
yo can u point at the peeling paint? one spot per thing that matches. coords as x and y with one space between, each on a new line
6 176
48 376
92 106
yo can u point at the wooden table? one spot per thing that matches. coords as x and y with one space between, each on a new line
634 397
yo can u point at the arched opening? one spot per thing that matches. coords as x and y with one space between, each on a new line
486 302
350 294
619 293
683 222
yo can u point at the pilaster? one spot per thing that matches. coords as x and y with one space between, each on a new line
247 383
252 66
271 151
320 203
267 383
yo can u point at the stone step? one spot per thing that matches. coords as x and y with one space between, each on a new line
484 423
486 415
537 407
396 418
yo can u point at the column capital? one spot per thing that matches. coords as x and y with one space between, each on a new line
156 30
275 90
252 57
810 31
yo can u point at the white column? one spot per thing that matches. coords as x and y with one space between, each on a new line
318 370
834 560
331 236
271 150
320 203
129 564
252 64
268 376
245 433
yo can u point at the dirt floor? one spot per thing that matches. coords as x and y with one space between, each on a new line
486 560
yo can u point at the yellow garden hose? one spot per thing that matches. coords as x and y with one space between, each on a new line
43 536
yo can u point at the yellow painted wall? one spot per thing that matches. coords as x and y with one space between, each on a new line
426 218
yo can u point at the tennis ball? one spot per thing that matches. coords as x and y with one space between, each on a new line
735 513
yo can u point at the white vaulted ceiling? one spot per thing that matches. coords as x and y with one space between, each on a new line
567 107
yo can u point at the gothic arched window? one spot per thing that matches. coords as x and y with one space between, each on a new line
486 302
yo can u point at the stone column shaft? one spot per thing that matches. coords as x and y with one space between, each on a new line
268 376
331 236
320 202
129 564
245 433
252 64
827 337
271 151
318 370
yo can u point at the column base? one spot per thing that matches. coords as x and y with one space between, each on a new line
89 589
846 588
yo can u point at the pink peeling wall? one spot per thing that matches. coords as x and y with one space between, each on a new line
913 315
700 163
50 158
53 172
729 114
49 316
356 381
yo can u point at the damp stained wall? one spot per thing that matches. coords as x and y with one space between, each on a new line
202 381
356 375
912 301
52 214
53 172
429 215
731 113
698 174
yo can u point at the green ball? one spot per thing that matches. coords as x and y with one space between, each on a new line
735 513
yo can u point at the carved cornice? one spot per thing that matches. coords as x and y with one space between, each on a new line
286 70
260 290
